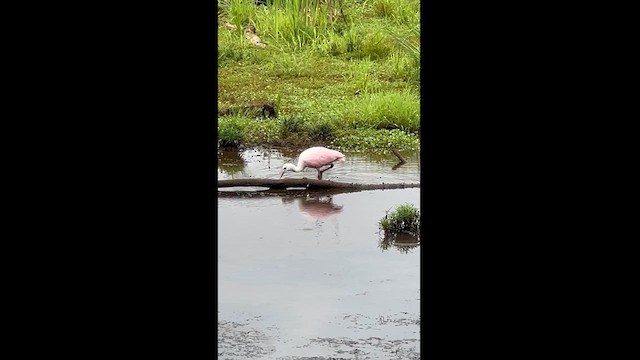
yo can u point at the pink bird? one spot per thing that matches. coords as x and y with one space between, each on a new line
318 208
315 157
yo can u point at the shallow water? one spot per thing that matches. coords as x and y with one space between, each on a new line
358 168
307 277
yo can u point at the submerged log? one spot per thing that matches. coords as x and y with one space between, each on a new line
397 154
311 184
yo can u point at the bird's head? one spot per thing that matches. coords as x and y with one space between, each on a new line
286 167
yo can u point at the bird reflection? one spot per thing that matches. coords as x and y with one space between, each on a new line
315 207
318 209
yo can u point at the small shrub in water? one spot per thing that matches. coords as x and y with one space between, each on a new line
404 220
401 229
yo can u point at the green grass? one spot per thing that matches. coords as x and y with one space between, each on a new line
242 130
400 228
375 140
352 82
405 219
230 133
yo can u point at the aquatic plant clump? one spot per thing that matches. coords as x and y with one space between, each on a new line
404 220
401 228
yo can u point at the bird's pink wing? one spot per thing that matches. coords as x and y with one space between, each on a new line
317 157
319 210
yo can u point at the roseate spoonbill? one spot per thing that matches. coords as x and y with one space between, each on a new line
315 157
318 209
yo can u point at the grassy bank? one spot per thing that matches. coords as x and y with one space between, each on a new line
351 81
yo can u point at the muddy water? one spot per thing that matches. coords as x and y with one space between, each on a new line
307 277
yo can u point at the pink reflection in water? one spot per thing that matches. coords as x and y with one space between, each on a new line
316 208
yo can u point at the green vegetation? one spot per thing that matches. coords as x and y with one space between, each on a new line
404 220
351 81
368 139
400 228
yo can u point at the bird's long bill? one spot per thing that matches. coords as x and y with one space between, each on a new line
282 173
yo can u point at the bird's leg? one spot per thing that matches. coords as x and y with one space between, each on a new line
320 172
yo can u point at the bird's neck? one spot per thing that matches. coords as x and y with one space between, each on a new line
299 167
